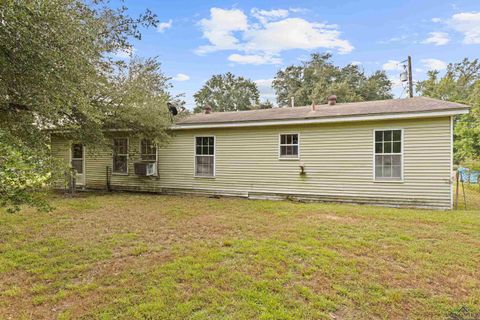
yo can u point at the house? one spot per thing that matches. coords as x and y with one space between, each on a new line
389 152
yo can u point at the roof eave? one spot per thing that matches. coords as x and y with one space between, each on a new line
350 118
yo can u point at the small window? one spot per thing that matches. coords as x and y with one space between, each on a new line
148 150
120 155
204 156
388 154
289 147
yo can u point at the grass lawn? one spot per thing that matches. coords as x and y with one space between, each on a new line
167 257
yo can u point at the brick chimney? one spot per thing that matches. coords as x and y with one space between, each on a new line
313 106
208 109
332 100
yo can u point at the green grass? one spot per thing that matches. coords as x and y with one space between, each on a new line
124 256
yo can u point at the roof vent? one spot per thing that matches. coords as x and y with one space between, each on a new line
332 100
208 109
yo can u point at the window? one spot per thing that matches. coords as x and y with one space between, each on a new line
204 156
289 146
388 154
120 155
148 150
77 158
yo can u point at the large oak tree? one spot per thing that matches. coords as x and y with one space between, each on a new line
58 68
227 92
460 83
317 78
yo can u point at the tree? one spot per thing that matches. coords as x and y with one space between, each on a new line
267 104
316 79
227 92
58 68
461 83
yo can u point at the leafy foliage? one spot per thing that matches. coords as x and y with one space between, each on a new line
59 68
316 79
23 172
461 83
267 104
227 92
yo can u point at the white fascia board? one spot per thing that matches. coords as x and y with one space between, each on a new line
410 115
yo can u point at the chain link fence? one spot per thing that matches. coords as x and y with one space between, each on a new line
467 189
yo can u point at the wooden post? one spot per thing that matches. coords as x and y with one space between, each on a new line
456 187
73 183
107 169
410 78
464 197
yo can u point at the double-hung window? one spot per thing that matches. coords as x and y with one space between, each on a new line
388 154
205 156
120 155
289 146
148 150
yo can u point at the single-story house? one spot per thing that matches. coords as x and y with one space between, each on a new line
390 152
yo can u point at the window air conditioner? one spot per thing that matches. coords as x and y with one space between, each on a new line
146 169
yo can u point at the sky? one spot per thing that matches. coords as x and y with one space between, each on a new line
255 39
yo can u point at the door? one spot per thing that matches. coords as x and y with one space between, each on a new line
78 162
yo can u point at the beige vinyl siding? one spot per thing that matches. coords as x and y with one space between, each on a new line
338 159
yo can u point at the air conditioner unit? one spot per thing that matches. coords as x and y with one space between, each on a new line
145 168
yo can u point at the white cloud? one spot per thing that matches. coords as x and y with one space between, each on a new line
467 23
162 26
356 63
400 38
437 38
434 64
265 16
436 20
298 10
266 90
396 82
181 77
219 29
254 59
392 65
264 41
295 33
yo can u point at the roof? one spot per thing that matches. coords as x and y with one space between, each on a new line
339 112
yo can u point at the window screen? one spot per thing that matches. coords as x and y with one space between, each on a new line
205 156
148 150
120 155
388 154
289 146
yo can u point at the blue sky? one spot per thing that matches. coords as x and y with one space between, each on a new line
255 39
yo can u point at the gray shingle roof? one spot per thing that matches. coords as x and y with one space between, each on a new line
379 107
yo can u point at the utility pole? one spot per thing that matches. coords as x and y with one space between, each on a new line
410 79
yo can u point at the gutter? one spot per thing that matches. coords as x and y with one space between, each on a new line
391 116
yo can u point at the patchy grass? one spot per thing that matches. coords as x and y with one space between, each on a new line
165 257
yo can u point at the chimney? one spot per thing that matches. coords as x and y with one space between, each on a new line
293 102
332 100
208 109
313 105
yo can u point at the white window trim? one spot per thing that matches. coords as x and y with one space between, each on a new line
279 146
156 156
113 157
389 180
83 164
214 156
140 153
